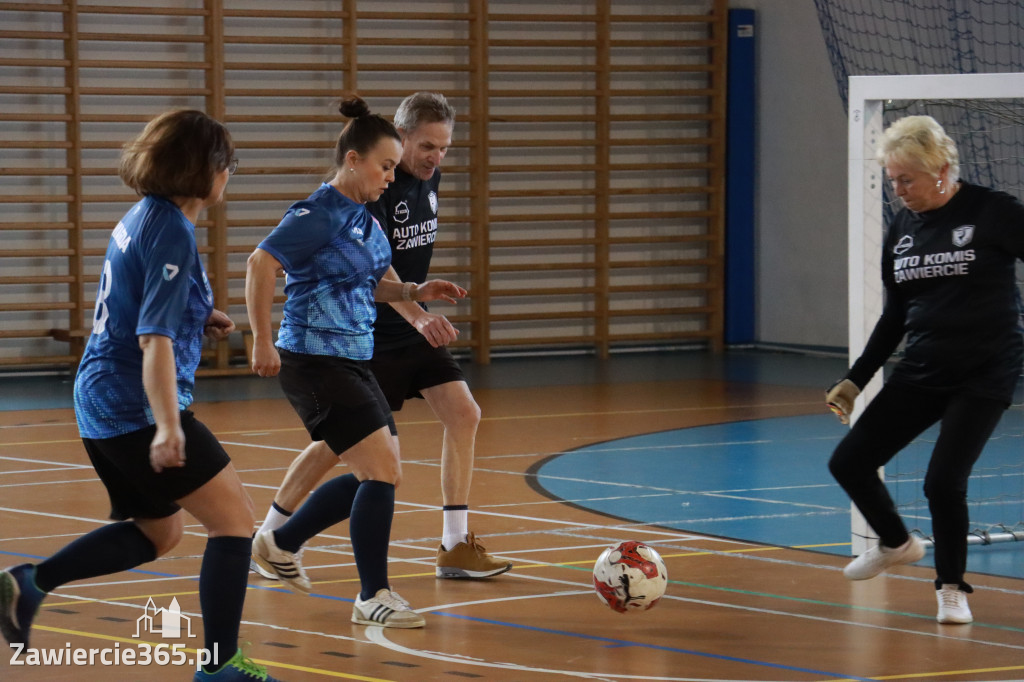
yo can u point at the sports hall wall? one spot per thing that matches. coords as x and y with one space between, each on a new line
800 211
582 197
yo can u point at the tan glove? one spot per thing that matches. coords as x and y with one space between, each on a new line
840 399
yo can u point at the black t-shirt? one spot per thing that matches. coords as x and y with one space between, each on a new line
408 213
950 285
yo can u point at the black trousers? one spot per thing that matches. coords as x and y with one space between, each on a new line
896 416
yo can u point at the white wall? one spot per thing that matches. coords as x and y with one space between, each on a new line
800 214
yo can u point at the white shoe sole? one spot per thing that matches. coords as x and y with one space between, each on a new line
255 567
298 583
453 572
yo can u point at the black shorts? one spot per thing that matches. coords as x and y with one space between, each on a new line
403 372
138 492
337 399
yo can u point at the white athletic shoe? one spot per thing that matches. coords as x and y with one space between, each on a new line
878 558
953 608
262 572
270 575
386 608
285 565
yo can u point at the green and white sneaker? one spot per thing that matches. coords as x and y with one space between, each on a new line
238 669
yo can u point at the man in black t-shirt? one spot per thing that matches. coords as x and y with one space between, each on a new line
410 356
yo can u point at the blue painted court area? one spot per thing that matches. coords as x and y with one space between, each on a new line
767 481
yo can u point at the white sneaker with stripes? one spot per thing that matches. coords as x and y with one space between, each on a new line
285 565
386 609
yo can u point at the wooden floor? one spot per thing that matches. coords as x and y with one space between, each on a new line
734 610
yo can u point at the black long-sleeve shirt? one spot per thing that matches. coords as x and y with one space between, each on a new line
407 211
950 284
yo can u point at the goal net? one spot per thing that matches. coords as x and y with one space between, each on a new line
984 114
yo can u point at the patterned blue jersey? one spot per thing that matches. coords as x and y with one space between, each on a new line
153 282
334 254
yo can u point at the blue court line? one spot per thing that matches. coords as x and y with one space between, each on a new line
615 643
611 642
131 570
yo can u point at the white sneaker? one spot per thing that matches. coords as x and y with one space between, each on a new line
285 565
953 608
262 572
387 609
878 558
270 575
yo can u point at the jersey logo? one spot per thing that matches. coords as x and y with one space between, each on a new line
963 235
301 212
401 213
357 233
905 243
432 198
170 271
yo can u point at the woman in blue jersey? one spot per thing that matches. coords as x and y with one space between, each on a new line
336 256
133 390
948 268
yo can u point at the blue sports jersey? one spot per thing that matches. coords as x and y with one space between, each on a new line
334 253
153 282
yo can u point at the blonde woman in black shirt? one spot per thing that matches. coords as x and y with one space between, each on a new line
948 269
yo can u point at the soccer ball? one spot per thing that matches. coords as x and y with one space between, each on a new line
630 577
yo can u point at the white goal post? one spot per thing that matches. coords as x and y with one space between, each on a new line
867 95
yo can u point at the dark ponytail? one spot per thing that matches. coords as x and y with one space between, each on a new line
363 131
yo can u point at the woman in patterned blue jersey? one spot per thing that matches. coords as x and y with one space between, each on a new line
335 256
133 390
948 268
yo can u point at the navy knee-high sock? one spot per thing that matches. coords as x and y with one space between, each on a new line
223 579
329 504
370 530
109 549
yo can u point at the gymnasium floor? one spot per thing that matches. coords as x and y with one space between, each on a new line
717 461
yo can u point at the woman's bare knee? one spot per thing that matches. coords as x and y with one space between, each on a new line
375 458
165 533
222 505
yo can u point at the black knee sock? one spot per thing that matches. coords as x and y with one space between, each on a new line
109 549
329 504
370 530
223 579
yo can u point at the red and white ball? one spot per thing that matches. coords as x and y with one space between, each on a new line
630 577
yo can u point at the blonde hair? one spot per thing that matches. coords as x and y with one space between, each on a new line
919 142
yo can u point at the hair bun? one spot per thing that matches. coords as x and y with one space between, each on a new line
354 106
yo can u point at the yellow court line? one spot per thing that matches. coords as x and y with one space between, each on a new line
930 676
274 664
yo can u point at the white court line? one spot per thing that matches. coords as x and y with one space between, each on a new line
39 471
67 465
259 447
92 479
38 426
378 636
66 517
456 658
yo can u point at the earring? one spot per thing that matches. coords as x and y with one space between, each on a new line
942 190
353 170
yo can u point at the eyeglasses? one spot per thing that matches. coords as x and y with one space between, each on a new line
233 165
